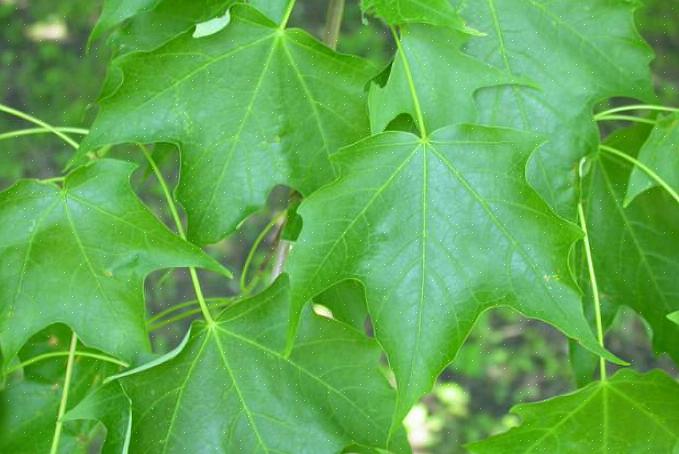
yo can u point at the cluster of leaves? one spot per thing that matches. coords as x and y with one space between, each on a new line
467 175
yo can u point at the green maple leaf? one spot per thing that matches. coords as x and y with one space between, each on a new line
241 131
630 413
635 249
230 388
559 45
110 405
399 12
447 79
144 25
78 254
438 230
29 403
660 153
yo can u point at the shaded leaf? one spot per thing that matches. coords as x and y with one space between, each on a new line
29 404
438 231
630 413
635 249
661 154
109 405
230 388
79 255
241 132
346 301
577 53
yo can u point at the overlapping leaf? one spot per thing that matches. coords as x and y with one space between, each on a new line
230 388
576 53
30 401
438 230
446 79
630 413
111 406
635 248
399 12
143 25
78 254
252 106
660 153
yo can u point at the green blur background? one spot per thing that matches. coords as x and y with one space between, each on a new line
46 71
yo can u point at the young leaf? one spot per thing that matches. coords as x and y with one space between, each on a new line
113 408
438 231
30 401
399 12
230 388
79 255
577 52
631 412
446 79
660 154
241 131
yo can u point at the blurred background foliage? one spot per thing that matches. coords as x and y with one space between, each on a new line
46 71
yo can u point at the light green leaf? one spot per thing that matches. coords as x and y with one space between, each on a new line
674 316
660 154
78 254
445 77
438 231
399 12
577 52
230 388
241 132
630 413
113 408
346 301
30 401
115 12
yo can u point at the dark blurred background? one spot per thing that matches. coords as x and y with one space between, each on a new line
45 71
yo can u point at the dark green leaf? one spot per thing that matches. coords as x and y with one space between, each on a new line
242 131
577 52
79 255
231 389
346 301
113 408
630 413
438 231
635 249
660 154
30 402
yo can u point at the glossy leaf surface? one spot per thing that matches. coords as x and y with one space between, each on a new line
230 388
576 53
241 131
438 231
630 413
78 254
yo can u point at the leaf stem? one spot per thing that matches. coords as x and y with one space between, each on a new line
626 118
64 394
49 355
32 131
333 23
287 14
654 176
187 314
595 289
255 246
636 107
177 307
180 230
32 119
411 84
